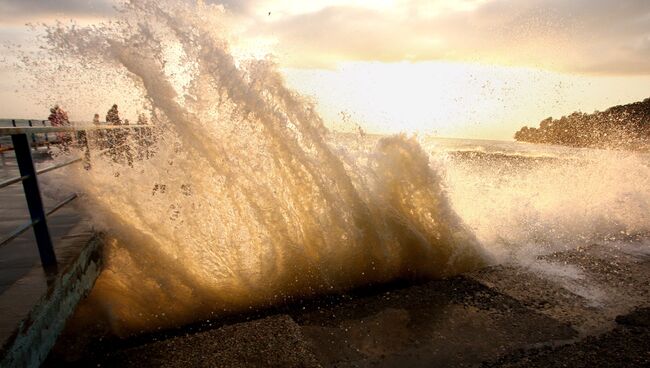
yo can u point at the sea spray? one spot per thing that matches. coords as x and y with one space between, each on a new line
523 204
246 202
249 201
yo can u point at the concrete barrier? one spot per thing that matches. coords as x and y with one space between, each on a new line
35 309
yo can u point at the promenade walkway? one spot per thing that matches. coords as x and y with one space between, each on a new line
35 303
19 256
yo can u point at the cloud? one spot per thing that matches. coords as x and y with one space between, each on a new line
588 36
345 33
20 10
234 6
585 36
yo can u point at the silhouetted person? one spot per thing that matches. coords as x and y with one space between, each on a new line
58 117
99 135
113 116
117 138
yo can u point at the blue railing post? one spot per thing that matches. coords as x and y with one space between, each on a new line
34 200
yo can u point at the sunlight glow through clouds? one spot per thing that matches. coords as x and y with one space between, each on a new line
455 99
279 8
474 68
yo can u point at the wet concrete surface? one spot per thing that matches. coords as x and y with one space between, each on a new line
274 341
588 309
585 287
25 288
627 345
449 322
19 256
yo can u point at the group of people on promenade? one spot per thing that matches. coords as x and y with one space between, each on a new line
116 142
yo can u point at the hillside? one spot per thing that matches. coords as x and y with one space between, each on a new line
619 127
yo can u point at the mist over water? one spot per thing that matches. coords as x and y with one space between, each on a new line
250 201
526 205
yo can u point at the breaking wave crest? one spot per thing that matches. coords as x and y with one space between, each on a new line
248 200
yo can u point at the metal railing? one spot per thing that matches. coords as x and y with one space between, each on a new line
20 138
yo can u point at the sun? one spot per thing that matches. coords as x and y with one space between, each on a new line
454 99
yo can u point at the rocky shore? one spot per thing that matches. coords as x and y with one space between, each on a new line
502 316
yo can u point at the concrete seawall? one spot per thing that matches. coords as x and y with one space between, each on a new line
35 308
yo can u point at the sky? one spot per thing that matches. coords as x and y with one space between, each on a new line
459 68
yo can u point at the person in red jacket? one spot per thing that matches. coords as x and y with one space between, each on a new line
59 117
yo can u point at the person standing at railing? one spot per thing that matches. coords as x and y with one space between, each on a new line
118 138
112 135
99 135
58 117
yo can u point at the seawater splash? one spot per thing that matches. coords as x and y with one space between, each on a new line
521 205
247 201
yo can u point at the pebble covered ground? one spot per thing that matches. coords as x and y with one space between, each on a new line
501 316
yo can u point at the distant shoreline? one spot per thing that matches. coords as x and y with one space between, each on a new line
623 127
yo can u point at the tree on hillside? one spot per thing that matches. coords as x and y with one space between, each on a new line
619 127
